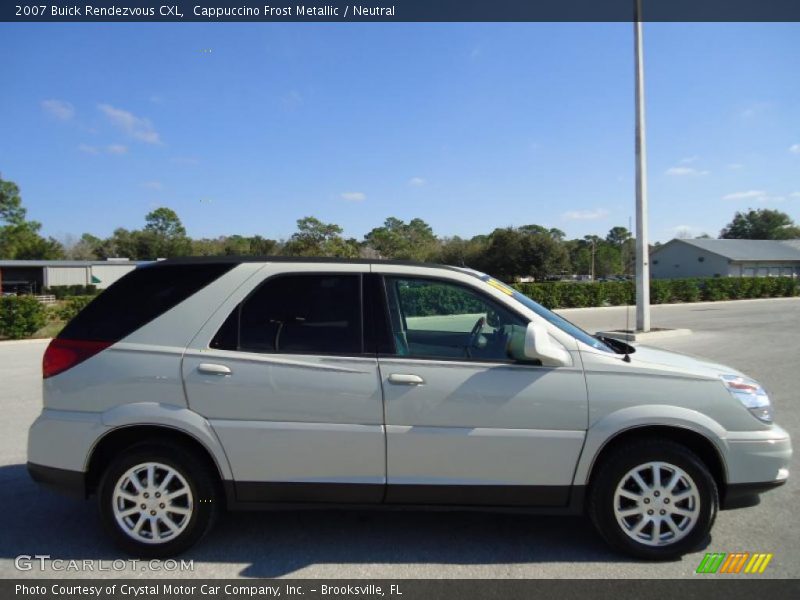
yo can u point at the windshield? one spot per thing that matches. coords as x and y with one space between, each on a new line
549 316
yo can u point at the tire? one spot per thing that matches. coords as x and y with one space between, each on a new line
191 491
619 505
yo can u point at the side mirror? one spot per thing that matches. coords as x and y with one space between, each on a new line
536 344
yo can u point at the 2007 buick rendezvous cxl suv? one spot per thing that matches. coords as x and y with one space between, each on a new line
192 386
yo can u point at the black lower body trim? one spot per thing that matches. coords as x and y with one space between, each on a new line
742 495
64 481
253 495
479 495
337 493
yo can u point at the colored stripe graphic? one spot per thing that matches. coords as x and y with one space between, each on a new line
711 562
758 563
733 563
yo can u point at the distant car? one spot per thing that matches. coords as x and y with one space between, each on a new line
193 386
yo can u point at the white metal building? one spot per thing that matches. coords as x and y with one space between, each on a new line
34 276
726 258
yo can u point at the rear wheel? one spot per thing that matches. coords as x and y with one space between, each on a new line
653 499
157 500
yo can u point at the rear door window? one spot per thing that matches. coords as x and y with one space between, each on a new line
306 314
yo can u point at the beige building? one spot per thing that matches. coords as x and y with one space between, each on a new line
34 276
725 258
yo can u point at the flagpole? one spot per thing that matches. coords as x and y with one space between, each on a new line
642 242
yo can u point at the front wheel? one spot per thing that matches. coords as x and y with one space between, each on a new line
157 500
653 499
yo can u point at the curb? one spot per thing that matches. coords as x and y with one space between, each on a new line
639 336
26 341
704 303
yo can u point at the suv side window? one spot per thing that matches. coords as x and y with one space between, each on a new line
438 319
307 314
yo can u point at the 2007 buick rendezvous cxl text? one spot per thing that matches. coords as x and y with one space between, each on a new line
191 386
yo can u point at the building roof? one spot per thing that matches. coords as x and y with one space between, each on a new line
745 250
68 263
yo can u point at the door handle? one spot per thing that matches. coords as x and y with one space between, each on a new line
212 369
403 379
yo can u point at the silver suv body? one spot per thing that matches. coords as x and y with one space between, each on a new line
191 386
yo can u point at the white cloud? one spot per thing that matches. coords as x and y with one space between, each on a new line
58 109
585 215
88 149
137 127
292 100
417 182
688 159
794 148
735 166
117 149
748 195
353 196
153 185
684 171
755 196
755 109
794 195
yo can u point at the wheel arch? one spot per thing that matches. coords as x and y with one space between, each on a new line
116 440
700 444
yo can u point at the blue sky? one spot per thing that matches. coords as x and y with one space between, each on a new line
244 128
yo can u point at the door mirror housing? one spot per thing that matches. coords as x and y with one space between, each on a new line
537 344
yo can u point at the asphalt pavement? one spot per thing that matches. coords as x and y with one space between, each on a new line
759 337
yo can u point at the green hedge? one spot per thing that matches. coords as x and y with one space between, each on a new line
72 306
21 316
662 291
66 291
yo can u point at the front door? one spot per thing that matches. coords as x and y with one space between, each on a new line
465 424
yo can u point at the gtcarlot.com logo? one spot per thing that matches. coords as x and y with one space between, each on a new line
44 562
734 562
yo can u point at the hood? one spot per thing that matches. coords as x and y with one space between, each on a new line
682 362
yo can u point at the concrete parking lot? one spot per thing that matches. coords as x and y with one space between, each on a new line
760 337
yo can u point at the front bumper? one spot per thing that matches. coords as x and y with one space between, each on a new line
758 461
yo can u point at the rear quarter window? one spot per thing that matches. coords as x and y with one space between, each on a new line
139 297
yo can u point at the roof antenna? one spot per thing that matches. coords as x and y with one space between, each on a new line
627 357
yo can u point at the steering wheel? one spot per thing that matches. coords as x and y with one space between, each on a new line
473 335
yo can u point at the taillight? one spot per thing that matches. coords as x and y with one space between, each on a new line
65 354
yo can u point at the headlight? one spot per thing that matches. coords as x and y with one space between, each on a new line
750 393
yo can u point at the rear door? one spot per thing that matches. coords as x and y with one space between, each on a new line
465 424
283 377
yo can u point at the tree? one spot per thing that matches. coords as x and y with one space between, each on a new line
164 221
397 239
83 249
760 224
463 253
513 253
315 238
19 238
164 236
617 236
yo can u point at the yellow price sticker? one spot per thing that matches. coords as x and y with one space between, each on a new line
498 285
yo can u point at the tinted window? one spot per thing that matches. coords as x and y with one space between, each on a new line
440 319
139 297
312 314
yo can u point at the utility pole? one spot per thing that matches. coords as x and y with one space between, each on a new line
642 243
